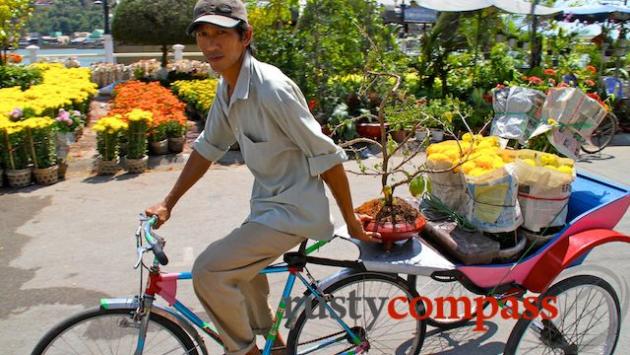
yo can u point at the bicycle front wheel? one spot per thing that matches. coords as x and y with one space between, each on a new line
588 321
362 302
114 331
603 134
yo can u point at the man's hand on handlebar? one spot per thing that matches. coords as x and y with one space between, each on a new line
161 211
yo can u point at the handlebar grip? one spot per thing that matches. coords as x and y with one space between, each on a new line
159 252
156 241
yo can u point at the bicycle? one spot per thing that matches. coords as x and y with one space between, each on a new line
137 325
602 135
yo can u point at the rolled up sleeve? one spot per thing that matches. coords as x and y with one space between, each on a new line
217 137
289 108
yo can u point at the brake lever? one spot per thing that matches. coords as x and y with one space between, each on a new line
140 251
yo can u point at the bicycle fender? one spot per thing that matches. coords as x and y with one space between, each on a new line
132 304
565 253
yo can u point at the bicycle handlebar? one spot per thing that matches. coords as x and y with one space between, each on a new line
155 241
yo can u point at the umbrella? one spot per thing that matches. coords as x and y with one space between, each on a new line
512 6
596 13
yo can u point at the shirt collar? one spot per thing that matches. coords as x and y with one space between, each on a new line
242 84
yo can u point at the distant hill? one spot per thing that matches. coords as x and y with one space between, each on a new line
66 16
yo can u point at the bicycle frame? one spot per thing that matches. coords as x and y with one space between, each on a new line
165 286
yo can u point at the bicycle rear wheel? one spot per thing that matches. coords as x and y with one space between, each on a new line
113 331
317 332
588 321
603 134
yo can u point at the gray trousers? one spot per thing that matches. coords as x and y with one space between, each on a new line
227 283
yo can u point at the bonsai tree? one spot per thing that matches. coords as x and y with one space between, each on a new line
153 22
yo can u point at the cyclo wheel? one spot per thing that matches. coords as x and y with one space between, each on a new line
588 321
114 331
603 134
384 334
433 289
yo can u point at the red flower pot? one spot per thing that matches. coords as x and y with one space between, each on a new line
370 130
394 232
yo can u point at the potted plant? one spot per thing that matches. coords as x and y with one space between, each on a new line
403 118
67 123
14 153
394 218
108 129
41 137
158 139
139 123
176 133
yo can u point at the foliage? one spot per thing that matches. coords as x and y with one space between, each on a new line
41 133
198 93
329 39
67 17
341 123
108 129
139 123
405 115
275 37
24 77
13 16
175 129
70 89
13 152
156 22
159 132
443 112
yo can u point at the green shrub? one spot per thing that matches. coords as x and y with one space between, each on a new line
24 77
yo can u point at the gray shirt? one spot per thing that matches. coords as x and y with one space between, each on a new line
282 145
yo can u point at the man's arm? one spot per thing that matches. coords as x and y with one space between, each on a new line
195 168
337 181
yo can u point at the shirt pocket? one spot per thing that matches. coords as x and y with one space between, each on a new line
264 157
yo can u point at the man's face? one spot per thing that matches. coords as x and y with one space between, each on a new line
222 47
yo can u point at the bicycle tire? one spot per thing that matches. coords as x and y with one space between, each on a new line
361 278
549 334
602 135
56 334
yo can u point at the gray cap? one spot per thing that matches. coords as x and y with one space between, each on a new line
223 13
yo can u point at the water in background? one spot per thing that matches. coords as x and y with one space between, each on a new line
98 54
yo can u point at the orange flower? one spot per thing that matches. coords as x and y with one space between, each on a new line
589 82
153 97
550 72
591 68
535 80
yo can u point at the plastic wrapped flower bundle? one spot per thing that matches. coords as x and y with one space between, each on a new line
470 177
198 93
491 186
70 89
108 130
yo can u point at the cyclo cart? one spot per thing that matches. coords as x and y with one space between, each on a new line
595 207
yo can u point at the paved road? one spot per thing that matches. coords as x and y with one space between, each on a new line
65 246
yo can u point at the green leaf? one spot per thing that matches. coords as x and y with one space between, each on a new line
417 186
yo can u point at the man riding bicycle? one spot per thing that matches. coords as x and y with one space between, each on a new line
264 111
